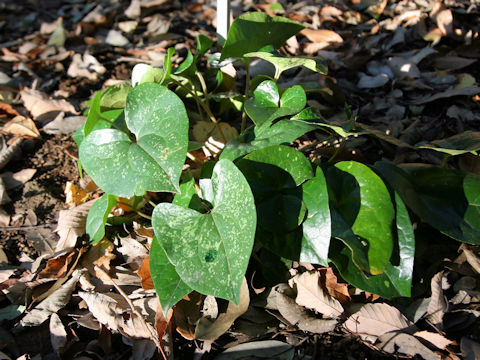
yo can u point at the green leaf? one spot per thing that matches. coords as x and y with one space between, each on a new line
167 65
94 114
204 44
186 65
114 97
211 251
152 161
282 63
397 278
143 73
188 197
168 285
252 31
317 225
447 199
97 217
267 106
467 142
363 202
343 128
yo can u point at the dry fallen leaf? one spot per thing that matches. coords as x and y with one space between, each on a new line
374 320
42 107
74 196
210 330
16 180
311 295
99 255
438 305
335 289
187 312
21 126
85 66
322 36
71 225
407 344
57 267
58 334
144 273
438 340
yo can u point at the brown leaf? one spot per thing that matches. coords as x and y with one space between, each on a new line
187 312
163 325
56 268
322 36
374 320
99 255
42 107
394 343
311 295
209 330
58 334
438 305
71 225
144 273
74 195
335 289
443 17
21 126
16 180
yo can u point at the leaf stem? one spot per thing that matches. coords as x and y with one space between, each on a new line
204 107
247 90
148 326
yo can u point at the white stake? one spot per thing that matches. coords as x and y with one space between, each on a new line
223 19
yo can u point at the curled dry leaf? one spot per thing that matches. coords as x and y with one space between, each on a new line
438 305
209 330
311 295
374 320
322 36
56 301
21 126
41 107
71 225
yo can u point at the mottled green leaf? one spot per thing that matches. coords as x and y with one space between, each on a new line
168 285
153 160
397 278
267 105
282 63
317 225
97 217
363 202
253 31
447 199
211 251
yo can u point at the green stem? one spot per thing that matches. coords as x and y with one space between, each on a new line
204 107
277 74
247 90
337 151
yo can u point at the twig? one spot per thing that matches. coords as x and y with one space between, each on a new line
152 331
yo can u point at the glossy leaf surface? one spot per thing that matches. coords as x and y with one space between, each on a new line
153 160
447 199
168 285
253 31
211 251
362 200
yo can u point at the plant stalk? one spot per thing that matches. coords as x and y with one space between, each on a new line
247 90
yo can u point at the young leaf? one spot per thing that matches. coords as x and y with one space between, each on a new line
97 217
267 106
317 225
143 73
151 162
168 285
253 31
282 63
211 251
363 201
447 199
114 97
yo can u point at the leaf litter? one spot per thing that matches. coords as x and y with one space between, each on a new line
396 62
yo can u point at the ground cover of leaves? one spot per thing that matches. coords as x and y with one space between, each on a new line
408 68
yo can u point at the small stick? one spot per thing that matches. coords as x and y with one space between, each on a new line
127 299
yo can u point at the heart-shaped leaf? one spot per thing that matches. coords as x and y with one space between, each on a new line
152 161
267 105
363 202
97 217
253 31
447 199
397 277
282 63
210 251
168 285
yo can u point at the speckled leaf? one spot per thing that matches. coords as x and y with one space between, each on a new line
97 217
363 201
253 31
267 105
397 279
152 161
317 225
168 285
211 251
284 63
